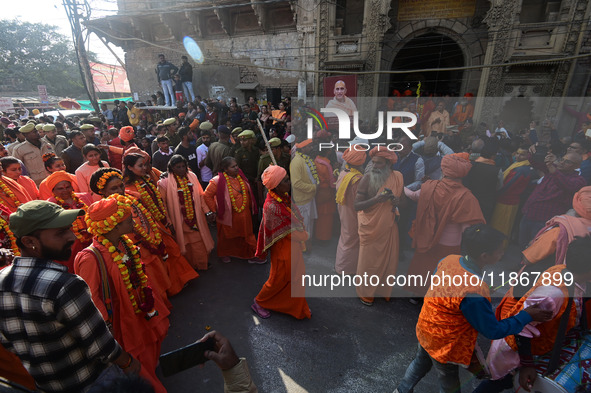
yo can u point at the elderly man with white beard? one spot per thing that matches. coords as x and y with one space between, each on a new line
377 200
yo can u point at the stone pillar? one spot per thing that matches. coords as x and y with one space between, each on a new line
500 20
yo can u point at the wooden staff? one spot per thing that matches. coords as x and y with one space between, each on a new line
267 142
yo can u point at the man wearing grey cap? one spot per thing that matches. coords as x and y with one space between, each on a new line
47 317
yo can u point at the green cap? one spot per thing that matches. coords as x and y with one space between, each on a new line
169 121
48 127
237 130
35 215
39 127
206 125
27 128
87 127
275 142
248 134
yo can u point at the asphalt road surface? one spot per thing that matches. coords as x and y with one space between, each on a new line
345 347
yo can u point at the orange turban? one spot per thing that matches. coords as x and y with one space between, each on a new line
354 157
303 143
104 215
272 176
194 125
582 202
137 150
456 165
126 133
382 151
56 177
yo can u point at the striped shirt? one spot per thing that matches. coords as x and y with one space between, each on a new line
48 319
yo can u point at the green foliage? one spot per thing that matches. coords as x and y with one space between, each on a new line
36 54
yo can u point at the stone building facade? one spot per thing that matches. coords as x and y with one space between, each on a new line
252 45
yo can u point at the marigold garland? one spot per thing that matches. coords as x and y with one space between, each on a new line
8 234
153 243
102 181
132 273
79 225
243 191
105 226
286 200
151 198
185 192
5 189
310 165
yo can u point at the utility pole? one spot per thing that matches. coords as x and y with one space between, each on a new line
71 7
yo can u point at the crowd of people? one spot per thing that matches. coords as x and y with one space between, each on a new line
111 215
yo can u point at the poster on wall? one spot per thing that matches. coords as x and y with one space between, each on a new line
340 92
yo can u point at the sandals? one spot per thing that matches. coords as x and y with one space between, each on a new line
260 311
226 259
257 261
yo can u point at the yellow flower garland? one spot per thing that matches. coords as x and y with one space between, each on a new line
310 165
4 227
156 208
118 258
183 186
79 225
102 181
9 192
243 191
153 241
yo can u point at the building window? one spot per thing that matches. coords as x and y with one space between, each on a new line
536 11
349 17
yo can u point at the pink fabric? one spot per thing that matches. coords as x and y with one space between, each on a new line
169 189
326 163
227 218
570 227
501 358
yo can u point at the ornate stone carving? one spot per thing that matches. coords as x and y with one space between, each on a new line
500 22
323 31
376 25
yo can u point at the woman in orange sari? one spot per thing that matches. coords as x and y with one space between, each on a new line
281 232
12 194
13 169
143 187
183 198
108 181
54 164
229 196
63 194
120 289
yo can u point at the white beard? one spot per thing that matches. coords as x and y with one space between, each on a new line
377 178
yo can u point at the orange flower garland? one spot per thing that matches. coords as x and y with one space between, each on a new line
5 189
132 272
79 225
157 238
8 233
243 191
151 198
102 182
185 191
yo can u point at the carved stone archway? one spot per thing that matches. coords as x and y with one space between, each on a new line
473 48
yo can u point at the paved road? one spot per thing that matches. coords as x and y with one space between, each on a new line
345 347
